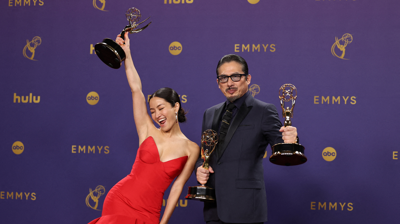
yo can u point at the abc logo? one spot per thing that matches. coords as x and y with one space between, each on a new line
92 98
175 48
18 147
329 154
253 1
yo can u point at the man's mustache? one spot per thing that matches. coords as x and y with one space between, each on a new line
231 88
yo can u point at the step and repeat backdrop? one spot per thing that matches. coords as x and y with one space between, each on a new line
66 124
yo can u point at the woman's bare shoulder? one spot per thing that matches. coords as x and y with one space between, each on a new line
192 146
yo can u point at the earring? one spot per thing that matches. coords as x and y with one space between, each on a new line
176 117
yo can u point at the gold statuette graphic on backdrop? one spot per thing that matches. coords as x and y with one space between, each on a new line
254 89
287 154
341 44
109 51
209 139
94 196
30 47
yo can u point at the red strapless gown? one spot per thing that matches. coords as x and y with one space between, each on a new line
138 197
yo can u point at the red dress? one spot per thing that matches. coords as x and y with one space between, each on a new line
138 197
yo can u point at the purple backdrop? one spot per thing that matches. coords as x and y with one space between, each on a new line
56 148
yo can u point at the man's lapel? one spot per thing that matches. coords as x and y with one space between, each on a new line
241 114
215 125
217 115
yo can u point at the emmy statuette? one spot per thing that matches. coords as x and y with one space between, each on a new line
287 154
110 52
209 139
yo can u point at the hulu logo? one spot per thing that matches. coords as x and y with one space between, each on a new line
26 99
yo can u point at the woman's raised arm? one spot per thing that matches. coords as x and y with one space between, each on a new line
142 119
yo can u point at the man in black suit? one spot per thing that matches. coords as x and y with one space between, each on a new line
245 126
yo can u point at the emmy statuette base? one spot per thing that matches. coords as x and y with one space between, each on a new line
202 193
288 154
110 53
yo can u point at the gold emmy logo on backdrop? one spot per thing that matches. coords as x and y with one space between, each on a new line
31 47
17 195
253 1
94 196
335 100
175 48
254 89
18 147
100 8
255 47
332 206
341 44
26 3
92 98
90 149
329 154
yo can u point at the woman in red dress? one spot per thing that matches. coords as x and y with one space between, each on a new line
164 154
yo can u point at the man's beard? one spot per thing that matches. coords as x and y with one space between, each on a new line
232 98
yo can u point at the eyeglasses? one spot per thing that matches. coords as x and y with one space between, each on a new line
234 77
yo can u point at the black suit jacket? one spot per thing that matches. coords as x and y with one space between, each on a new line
238 179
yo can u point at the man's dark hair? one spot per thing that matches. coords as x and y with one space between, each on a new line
234 57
